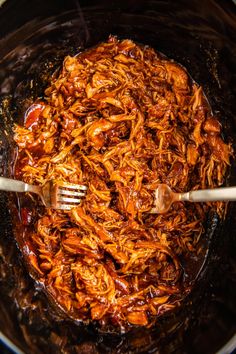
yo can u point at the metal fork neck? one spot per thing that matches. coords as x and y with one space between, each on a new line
33 188
185 197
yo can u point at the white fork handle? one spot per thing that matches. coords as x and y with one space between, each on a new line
12 185
210 195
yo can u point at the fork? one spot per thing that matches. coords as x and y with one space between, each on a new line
54 194
165 197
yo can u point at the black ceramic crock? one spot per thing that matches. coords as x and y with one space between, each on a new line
34 37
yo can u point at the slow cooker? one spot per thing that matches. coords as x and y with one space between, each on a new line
34 38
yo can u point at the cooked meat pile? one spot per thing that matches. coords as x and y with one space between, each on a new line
121 119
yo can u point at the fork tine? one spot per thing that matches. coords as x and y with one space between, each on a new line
71 193
68 200
72 186
65 206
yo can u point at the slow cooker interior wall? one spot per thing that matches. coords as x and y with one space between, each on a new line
205 45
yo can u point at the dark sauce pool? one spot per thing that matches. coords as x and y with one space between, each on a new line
201 37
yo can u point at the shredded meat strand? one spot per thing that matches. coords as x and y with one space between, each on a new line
121 119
